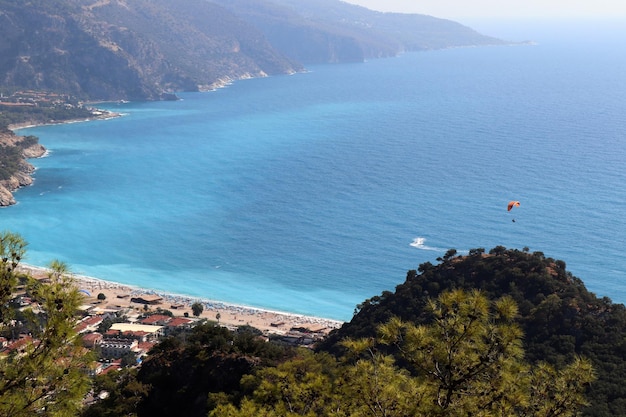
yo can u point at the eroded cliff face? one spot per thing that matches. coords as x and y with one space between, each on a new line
22 177
147 49
139 50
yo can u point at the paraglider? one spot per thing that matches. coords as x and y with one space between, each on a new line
511 205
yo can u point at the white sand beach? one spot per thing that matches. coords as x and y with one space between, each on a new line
119 295
232 315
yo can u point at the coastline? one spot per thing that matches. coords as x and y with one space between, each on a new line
23 177
118 296
97 114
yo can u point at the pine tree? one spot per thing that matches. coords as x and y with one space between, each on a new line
47 374
468 361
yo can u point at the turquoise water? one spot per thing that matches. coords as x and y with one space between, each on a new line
310 193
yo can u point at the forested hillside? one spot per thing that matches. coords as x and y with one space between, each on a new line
464 352
560 318
508 332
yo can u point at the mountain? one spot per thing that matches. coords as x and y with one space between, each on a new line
324 31
560 318
129 49
141 49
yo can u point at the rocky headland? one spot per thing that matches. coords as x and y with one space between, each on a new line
22 177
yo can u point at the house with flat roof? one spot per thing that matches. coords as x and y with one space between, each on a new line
115 349
153 331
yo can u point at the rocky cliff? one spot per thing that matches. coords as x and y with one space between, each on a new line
329 31
114 49
145 49
21 177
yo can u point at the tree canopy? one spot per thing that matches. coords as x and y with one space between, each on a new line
561 320
468 361
46 372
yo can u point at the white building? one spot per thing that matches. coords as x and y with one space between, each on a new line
115 349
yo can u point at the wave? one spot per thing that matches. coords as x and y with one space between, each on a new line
418 243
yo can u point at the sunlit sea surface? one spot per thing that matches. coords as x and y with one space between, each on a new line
310 193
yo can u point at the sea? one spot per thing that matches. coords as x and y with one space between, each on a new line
313 192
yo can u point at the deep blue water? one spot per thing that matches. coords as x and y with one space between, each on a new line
304 193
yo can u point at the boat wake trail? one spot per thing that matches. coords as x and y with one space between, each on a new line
418 243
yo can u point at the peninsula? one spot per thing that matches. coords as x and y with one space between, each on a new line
29 108
15 151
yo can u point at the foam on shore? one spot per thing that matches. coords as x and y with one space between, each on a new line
233 314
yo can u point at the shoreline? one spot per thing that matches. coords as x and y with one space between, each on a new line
105 115
232 315
22 177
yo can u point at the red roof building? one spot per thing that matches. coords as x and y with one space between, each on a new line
157 319
91 340
89 324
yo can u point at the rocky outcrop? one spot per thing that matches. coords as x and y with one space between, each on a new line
6 197
22 177
34 151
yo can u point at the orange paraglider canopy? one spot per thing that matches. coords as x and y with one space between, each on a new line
511 205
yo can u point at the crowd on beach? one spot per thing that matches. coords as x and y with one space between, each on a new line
118 295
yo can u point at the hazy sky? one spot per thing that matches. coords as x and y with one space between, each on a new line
459 9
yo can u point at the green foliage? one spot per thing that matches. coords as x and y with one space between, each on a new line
560 319
374 385
10 158
38 115
188 374
442 350
467 362
12 155
165 312
129 359
469 354
470 361
106 324
12 250
197 308
557 393
121 394
303 386
46 375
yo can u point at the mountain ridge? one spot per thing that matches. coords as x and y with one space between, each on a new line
148 49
